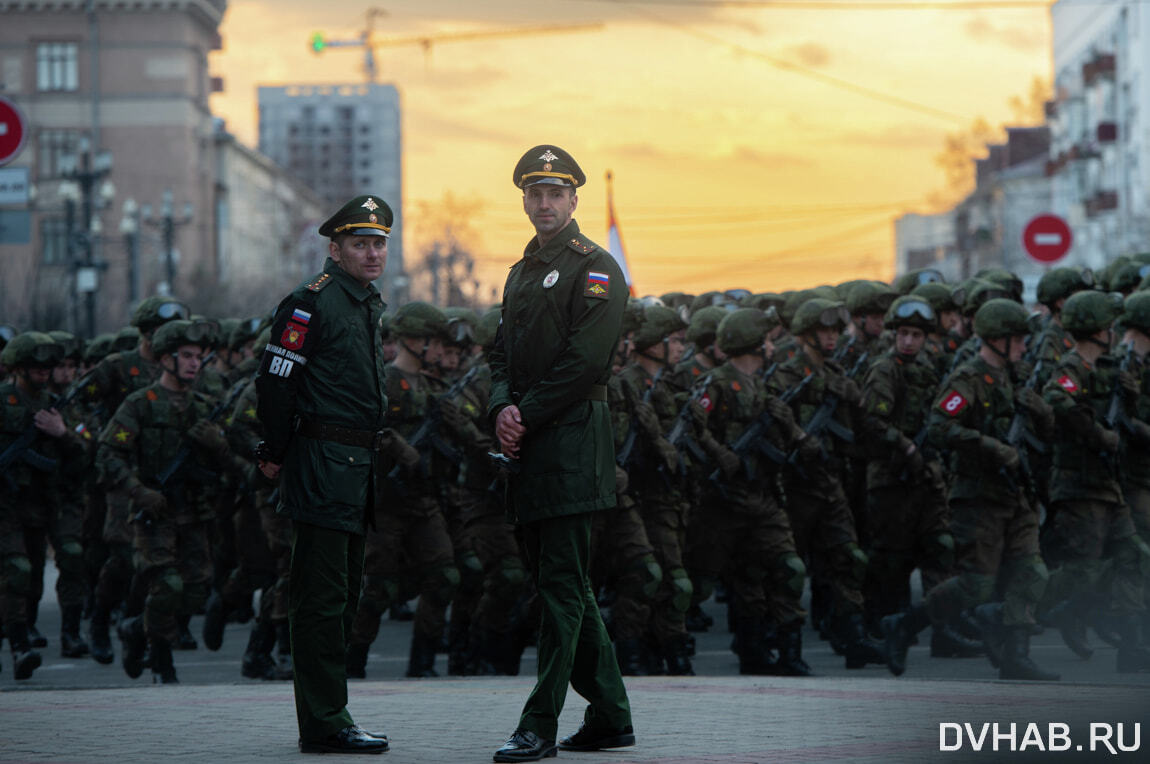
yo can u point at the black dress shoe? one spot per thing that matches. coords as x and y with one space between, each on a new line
590 739
348 740
524 745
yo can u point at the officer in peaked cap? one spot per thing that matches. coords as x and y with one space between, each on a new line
546 375
322 405
550 165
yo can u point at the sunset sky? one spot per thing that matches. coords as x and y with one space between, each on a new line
757 147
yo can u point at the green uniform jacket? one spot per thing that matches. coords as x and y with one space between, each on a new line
897 394
1080 394
552 356
976 400
1135 451
324 363
35 494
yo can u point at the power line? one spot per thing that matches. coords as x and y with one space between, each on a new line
803 71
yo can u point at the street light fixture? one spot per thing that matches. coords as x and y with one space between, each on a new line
81 173
167 223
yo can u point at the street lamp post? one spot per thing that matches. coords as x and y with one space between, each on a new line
167 223
86 171
130 228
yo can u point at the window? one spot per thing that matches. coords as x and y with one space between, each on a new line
54 240
56 68
50 146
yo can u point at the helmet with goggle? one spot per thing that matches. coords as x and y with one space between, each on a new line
175 334
1089 312
907 282
32 350
1059 283
71 345
157 310
819 313
742 331
867 297
941 296
1001 317
912 310
461 324
659 322
419 319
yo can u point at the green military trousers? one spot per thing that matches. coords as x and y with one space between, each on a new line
326 574
573 643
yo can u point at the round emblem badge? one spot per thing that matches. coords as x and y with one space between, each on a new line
373 218
550 280
546 167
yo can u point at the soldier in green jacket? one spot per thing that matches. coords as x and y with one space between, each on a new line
905 484
994 527
562 310
1136 443
38 448
322 406
162 452
1091 520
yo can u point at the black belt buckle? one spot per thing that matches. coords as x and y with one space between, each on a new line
377 441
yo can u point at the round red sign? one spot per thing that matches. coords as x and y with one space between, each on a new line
1047 238
13 131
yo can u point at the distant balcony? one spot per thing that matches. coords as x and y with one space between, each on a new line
1102 201
1107 132
1102 65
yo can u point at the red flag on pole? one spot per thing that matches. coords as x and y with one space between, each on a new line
615 239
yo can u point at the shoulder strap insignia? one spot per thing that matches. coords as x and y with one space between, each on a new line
319 283
582 247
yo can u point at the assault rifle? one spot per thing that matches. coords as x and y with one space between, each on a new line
627 450
1115 416
20 450
680 434
754 437
427 438
166 475
823 420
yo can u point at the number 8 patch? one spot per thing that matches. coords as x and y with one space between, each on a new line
952 403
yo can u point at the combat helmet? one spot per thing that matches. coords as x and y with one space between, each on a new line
869 297
980 292
1003 278
1059 283
632 316
941 296
460 326
244 331
73 346
1087 313
742 331
819 312
907 282
704 324
1136 312
659 322
156 310
7 332
419 319
127 338
1001 317
169 337
912 310
98 348
1127 278
31 349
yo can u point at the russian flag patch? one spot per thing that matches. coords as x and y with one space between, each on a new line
597 284
300 316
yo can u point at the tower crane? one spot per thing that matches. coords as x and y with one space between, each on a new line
368 40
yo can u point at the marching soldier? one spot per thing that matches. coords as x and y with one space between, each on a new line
740 530
1091 520
36 449
994 527
1136 445
817 505
162 451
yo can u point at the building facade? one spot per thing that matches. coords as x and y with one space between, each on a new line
341 141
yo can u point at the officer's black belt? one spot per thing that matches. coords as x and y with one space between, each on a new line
597 393
347 436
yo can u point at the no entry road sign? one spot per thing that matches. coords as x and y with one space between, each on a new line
1047 238
13 131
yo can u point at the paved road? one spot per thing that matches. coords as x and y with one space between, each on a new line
79 711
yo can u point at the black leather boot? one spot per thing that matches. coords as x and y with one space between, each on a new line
25 660
698 620
186 640
421 663
163 670
257 662
1069 617
791 661
1016 663
988 616
101 640
632 657
677 655
946 642
72 645
357 661
755 657
899 630
858 648
133 644
214 621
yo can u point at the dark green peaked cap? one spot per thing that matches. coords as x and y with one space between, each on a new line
362 216
547 164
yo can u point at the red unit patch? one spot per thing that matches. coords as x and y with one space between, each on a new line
707 403
293 336
952 403
1067 384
